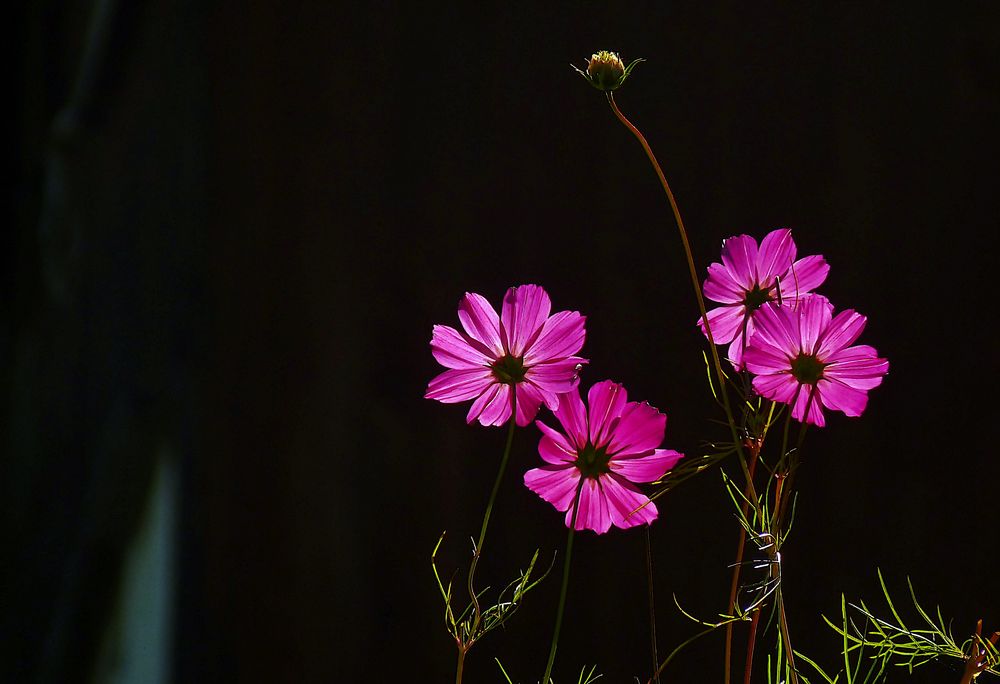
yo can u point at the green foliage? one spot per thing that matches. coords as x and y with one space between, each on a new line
586 676
871 644
466 627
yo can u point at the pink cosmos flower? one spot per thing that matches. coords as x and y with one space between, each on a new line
610 446
802 356
523 352
750 276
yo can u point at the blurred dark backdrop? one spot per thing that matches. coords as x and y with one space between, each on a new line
231 228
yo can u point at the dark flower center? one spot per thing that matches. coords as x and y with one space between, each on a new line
592 461
509 369
756 297
807 369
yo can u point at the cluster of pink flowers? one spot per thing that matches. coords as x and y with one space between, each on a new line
785 334
512 363
777 328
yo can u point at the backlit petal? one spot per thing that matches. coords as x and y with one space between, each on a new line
529 398
775 256
493 407
572 415
628 506
480 321
554 447
452 350
804 276
842 331
639 429
648 468
525 308
720 286
739 255
556 484
808 410
605 400
725 321
839 397
594 514
561 336
814 319
457 385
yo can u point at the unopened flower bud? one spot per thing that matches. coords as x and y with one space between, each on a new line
606 71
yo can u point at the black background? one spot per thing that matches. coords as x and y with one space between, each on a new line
238 246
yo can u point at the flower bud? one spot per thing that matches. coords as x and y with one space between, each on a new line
606 71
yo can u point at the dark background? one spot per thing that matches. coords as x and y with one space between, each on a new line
233 226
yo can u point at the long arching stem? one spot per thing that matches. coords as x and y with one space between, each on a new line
716 362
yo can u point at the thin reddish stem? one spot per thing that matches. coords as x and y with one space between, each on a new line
734 587
716 362
751 643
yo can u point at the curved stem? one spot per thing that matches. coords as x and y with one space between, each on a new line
716 362
478 551
565 585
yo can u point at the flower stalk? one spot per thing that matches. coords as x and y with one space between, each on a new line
716 362
565 585
478 551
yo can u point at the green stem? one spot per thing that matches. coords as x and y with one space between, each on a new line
478 551
652 605
787 639
565 584
461 665
716 362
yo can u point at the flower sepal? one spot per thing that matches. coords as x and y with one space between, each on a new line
606 71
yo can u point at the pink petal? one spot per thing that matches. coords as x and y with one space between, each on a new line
556 484
777 327
780 387
457 385
721 287
606 400
594 514
739 255
529 398
525 309
554 447
629 506
555 378
562 335
492 408
775 257
452 350
740 344
762 358
842 331
858 367
725 321
639 429
481 322
648 468
804 276
814 407
572 415
840 397
814 318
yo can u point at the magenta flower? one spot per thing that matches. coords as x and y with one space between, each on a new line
523 349
611 446
748 277
802 357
